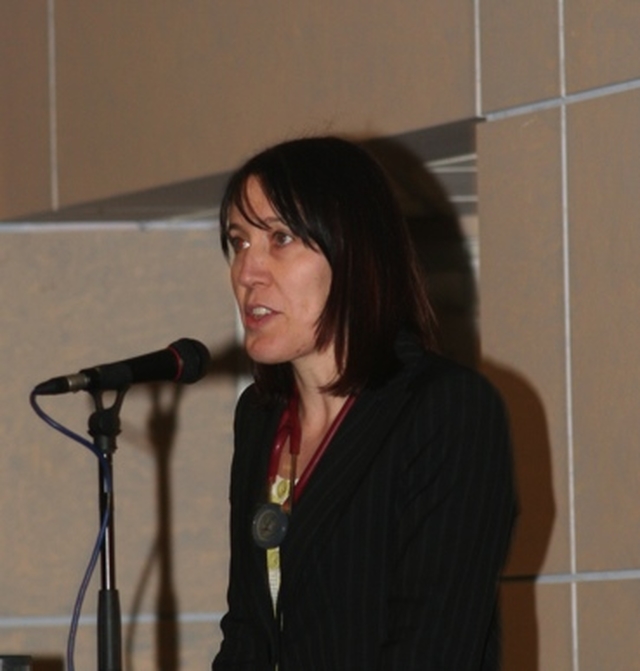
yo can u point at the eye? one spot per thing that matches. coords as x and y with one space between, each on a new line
237 243
282 238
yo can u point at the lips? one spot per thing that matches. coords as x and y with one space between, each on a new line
259 311
254 315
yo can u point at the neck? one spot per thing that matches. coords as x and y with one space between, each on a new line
311 377
317 408
317 414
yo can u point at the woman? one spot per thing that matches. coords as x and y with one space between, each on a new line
371 493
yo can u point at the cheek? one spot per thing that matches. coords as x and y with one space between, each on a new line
324 284
233 279
316 297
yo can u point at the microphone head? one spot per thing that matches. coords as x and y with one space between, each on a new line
194 358
186 360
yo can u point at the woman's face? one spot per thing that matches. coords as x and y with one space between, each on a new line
281 287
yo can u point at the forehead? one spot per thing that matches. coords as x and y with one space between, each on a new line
253 206
276 205
253 194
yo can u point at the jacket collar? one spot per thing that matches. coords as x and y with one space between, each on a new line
348 456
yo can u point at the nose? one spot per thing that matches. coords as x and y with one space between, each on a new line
250 267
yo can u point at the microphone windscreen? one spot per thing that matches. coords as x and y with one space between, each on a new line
195 359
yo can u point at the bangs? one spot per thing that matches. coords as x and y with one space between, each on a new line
282 199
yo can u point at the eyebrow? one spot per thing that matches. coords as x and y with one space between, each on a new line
258 223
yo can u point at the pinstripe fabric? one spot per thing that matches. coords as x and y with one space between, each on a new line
393 552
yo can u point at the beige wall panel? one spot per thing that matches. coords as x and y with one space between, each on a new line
536 625
522 321
608 625
155 92
141 646
604 164
519 52
73 299
602 45
199 641
24 108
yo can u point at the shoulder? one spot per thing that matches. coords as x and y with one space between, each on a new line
448 382
456 424
248 400
435 378
451 405
253 415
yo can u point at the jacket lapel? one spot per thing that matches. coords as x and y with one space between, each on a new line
255 441
355 445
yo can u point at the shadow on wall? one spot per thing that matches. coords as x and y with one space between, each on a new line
445 260
48 664
440 247
162 424
537 513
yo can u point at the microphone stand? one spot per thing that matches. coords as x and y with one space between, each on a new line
104 426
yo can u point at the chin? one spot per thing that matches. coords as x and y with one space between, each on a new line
264 356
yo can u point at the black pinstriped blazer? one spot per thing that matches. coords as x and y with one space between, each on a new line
394 549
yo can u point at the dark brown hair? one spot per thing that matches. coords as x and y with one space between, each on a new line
336 198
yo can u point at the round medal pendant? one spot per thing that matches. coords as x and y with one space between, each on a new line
269 526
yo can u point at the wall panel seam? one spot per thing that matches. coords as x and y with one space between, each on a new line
575 578
477 57
53 113
111 226
91 620
562 50
566 100
562 101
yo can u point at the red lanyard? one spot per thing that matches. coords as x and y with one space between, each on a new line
289 427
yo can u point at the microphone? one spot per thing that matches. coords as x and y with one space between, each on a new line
185 360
